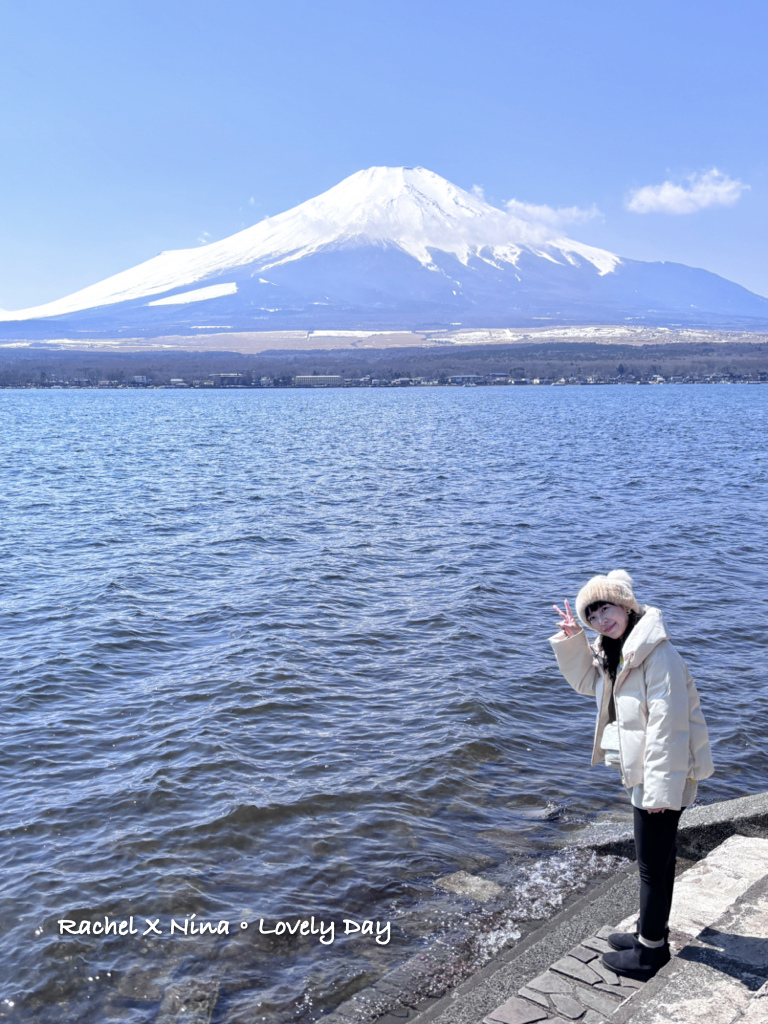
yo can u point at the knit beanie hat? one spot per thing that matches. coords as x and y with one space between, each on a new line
615 588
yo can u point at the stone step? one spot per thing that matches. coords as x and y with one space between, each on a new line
720 974
719 931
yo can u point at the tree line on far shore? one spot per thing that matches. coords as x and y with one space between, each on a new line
40 365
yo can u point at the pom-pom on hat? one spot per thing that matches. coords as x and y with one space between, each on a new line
615 588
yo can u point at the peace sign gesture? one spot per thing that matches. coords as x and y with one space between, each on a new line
568 624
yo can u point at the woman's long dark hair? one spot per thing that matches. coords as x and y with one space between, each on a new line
610 649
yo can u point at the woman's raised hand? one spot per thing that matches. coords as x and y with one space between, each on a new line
568 624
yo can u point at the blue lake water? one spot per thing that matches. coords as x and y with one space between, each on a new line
275 654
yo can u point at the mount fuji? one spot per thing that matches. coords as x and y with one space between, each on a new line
389 248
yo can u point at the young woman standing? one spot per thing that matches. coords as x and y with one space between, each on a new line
651 728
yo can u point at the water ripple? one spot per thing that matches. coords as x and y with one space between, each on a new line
275 654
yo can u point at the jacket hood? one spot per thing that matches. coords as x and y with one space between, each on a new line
649 632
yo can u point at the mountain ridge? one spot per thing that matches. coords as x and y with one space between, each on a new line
396 248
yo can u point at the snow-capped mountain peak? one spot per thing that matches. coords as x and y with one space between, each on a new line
414 209
394 248
408 208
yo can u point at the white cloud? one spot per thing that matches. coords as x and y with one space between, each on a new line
204 238
479 191
553 218
711 188
251 201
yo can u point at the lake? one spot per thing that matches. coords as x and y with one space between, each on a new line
281 655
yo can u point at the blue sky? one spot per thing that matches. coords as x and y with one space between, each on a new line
128 127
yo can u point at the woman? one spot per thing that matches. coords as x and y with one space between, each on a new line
650 727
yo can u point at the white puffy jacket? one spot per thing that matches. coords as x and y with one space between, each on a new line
663 737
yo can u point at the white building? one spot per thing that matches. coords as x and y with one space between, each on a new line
317 380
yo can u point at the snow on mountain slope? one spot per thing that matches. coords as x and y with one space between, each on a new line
390 248
410 209
196 295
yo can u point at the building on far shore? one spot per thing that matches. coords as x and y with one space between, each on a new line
317 380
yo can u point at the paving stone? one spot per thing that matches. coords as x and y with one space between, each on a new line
615 990
569 1007
630 982
516 1011
625 987
537 997
576 969
605 973
600 945
583 953
549 982
600 1001
590 1017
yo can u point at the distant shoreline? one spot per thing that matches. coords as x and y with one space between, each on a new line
548 361
346 385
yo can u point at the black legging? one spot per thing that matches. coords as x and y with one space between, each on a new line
655 848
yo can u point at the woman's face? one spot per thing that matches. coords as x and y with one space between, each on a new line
609 620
